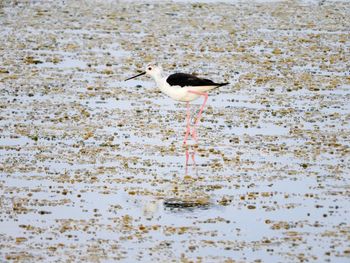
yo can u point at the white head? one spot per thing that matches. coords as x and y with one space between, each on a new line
152 70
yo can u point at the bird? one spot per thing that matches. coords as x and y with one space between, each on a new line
182 87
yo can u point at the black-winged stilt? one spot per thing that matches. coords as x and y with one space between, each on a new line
182 87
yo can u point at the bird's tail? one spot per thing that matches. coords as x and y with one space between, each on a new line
222 84
218 85
211 87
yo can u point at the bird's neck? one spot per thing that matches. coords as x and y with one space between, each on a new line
162 84
159 79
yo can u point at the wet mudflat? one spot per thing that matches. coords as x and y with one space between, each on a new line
93 168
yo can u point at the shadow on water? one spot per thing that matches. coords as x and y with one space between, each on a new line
180 205
188 194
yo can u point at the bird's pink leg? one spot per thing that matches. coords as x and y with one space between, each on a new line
193 157
194 162
187 157
194 132
188 123
192 154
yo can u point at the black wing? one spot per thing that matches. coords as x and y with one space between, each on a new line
183 79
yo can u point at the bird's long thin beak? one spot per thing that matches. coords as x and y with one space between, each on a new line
143 73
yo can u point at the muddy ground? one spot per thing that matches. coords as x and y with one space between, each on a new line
92 168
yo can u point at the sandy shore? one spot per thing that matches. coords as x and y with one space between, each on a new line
92 168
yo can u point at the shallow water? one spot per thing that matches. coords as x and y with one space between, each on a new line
93 169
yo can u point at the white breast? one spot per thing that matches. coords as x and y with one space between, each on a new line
176 92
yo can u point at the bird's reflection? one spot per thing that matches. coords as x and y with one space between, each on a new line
191 152
190 193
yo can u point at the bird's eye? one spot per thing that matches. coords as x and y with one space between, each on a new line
149 68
